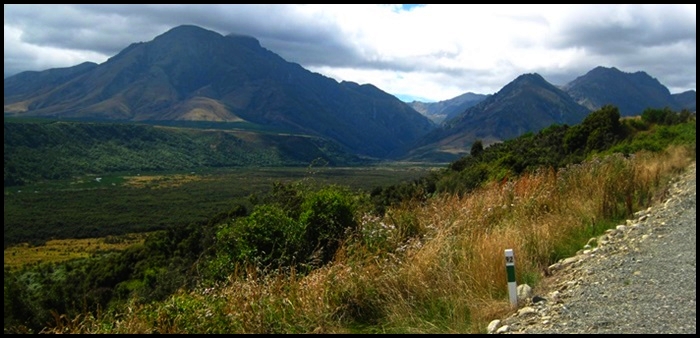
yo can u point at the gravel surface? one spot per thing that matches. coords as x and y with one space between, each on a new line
639 278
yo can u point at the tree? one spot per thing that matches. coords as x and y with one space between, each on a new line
477 149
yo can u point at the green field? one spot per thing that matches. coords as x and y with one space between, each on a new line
92 206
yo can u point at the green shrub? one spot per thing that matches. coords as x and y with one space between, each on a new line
268 237
328 216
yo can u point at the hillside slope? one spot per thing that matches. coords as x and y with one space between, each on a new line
619 286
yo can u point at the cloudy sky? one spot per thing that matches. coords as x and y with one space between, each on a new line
424 52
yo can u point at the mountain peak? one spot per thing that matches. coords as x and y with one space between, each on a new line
600 69
527 104
182 29
630 92
188 32
195 32
530 78
612 71
243 39
526 80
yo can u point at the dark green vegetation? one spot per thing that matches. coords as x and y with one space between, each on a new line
294 228
53 168
119 204
50 149
299 225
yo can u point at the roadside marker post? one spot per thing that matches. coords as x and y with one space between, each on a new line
510 272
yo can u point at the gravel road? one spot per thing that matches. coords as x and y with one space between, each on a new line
639 279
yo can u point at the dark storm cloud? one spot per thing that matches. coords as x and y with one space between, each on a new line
480 48
75 27
628 28
657 39
277 27
107 29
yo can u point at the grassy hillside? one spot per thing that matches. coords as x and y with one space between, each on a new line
37 150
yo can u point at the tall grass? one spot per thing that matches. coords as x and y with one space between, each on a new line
431 267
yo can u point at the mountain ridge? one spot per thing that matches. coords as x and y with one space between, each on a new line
190 73
443 110
633 92
527 104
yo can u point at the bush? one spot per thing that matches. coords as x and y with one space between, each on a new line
665 116
328 216
266 238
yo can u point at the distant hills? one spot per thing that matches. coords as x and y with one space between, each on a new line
193 75
685 100
530 103
447 109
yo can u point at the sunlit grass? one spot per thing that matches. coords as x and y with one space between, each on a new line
161 181
60 250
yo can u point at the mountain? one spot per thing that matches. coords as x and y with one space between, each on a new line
441 111
685 100
19 86
632 93
193 74
527 104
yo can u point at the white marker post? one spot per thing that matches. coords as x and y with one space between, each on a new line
510 271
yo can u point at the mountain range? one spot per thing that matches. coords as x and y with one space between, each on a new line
190 74
528 103
447 109
193 74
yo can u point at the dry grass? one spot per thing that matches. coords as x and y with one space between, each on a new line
205 109
161 181
60 250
